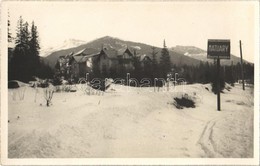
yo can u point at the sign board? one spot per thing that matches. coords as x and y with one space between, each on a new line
218 49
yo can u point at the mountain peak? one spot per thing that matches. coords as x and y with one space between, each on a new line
68 43
108 38
116 43
188 49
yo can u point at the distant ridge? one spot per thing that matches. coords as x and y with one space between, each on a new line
179 55
200 54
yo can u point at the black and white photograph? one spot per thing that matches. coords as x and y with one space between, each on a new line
127 82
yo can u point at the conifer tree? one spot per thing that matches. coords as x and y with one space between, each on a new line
10 39
34 43
165 62
154 62
22 38
21 63
34 49
25 62
18 63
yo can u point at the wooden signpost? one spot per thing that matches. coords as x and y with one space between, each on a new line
218 49
242 64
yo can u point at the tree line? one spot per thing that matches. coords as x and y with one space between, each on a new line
203 73
24 61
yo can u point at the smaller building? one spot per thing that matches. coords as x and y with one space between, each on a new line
85 59
111 59
145 60
67 67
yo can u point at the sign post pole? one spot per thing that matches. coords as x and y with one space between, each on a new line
218 49
218 84
242 64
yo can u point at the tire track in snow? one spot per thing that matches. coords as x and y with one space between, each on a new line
206 142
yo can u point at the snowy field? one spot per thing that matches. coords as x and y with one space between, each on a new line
137 123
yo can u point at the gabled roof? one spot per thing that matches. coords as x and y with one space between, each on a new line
83 55
123 50
111 53
81 59
114 53
144 57
87 51
78 58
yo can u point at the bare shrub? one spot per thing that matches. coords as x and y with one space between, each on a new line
48 94
184 101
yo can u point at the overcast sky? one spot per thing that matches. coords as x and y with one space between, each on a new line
179 23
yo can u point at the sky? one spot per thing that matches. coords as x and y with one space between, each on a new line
189 23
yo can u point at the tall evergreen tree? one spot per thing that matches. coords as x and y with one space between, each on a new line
165 62
154 61
34 41
19 30
22 38
10 39
25 62
137 67
22 65
96 69
34 58
18 61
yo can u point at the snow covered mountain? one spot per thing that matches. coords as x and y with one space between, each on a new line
69 43
200 54
179 55
112 42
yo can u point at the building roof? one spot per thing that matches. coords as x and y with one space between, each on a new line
84 54
121 51
81 59
78 58
87 51
144 57
114 53
111 53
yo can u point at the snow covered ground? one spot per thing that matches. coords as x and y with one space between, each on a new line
138 123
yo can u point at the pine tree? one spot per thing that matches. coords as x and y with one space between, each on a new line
137 67
18 61
20 68
154 62
34 43
10 50
22 38
165 62
19 31
34 58
96 69
26 36
25 62
10 39
215 81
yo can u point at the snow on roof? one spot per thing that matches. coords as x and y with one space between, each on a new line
136 47
84 54
79 52
111 53
81 58
87 51
121 51
78 58
143 57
